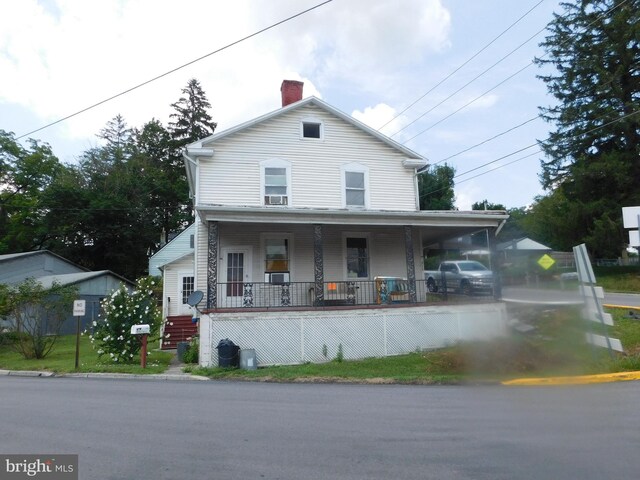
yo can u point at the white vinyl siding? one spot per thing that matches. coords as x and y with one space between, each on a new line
176 248
171 284
232 176
385 246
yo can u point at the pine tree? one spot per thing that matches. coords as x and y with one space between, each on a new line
191 120
593 155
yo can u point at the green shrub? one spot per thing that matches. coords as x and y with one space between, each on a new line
120 311
192 353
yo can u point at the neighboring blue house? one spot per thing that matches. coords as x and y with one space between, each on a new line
47 267
177 247
175 263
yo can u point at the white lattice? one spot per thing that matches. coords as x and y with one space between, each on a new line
296 337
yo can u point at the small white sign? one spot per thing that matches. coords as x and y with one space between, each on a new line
634 238
630 217
79 307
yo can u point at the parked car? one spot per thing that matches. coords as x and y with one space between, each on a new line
463 276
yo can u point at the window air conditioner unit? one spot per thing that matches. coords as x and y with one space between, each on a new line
275 200
277 278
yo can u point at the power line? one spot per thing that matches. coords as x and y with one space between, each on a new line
487 140
503 81
497 160
473 79
462 65
591 130
176 69
470 102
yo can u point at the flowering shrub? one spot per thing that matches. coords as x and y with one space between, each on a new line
112 332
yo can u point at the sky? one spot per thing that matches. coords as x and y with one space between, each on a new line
369 58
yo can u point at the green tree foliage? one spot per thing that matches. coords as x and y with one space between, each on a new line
487 205
38 314
164 178
26 174
191 119
110 210
435 187
593 156
553 219
111 334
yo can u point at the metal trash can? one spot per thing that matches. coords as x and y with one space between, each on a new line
182 349
228 354
248 359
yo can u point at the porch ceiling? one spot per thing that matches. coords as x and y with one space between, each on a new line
433 225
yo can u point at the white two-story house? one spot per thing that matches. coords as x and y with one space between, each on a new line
306 213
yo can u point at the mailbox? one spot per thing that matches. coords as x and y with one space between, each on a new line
140 329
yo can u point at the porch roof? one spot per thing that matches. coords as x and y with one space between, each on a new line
434 224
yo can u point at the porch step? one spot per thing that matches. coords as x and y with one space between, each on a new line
178 328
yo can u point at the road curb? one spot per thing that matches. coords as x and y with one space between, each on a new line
120 376
135 376
575 380
630 307
26 373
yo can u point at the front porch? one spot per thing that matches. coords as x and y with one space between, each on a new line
379 292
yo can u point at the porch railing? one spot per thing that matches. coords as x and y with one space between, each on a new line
382 292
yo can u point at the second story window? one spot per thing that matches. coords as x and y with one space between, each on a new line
276 182
355 184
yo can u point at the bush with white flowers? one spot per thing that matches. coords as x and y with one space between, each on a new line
121 310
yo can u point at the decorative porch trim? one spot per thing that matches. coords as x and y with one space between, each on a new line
411 267
318 266
212 265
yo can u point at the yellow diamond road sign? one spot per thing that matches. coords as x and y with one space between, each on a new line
546 262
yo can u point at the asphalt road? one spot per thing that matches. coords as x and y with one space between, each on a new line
564 297
126 429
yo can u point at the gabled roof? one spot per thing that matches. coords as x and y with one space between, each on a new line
524 243
204 143
13 256
186 231
174 260
73 278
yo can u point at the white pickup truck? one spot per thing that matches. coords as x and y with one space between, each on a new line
463 276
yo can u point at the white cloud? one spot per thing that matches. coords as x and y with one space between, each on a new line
60 59
382 117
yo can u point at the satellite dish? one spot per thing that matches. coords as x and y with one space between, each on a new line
195 298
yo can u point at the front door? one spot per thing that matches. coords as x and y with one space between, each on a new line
236 272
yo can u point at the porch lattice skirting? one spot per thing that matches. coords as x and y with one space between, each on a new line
282 338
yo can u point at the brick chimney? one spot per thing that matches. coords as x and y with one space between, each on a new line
291 91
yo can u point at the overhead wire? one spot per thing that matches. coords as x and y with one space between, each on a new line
503 58
157 77
591 130
503 81
462 65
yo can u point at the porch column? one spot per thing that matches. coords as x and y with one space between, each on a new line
212 265
318 266
411 267
493 262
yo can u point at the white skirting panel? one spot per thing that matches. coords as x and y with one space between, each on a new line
282 338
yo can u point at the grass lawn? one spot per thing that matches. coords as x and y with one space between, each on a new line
62 359
618 279
556 347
